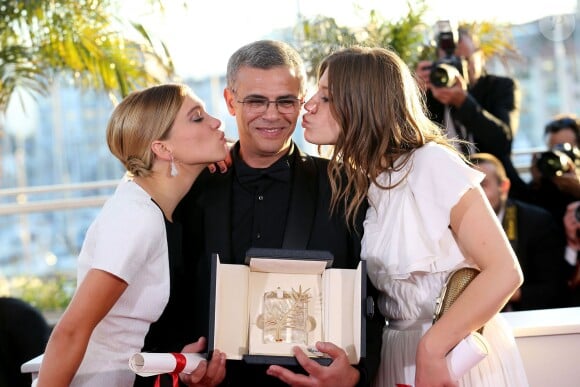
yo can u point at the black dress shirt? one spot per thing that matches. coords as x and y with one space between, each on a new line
260 205
293 213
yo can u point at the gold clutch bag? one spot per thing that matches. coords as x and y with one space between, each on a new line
454 286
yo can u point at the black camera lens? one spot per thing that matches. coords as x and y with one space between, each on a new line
552 163
557 160
443 75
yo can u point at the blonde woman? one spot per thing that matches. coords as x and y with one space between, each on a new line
164 138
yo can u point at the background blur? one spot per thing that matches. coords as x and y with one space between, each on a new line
56 170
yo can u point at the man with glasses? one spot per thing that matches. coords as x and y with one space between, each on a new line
272 196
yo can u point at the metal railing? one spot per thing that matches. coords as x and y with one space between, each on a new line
22 205
524 168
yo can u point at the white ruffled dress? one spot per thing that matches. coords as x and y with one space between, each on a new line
410 251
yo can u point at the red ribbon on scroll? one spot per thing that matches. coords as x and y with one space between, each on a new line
179 366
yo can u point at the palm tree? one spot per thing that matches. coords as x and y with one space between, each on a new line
83 40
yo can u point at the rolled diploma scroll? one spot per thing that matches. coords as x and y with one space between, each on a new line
466 354
149 364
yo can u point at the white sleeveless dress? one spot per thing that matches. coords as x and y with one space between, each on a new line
410 251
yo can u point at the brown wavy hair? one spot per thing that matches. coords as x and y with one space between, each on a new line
381 112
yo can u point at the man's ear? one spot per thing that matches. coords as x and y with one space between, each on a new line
160 150
230 100
505 186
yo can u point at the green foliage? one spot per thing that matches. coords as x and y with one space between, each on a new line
322 35
410 37
52 293
495 39
83 40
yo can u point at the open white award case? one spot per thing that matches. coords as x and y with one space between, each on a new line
286 298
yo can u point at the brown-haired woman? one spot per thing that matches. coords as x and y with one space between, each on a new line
427 217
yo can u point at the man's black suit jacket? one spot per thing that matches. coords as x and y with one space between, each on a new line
490 114
539 245
206 216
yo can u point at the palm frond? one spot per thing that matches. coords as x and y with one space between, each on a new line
82 40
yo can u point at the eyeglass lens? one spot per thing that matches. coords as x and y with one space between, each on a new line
260 105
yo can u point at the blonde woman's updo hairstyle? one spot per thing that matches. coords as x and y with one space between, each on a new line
141 118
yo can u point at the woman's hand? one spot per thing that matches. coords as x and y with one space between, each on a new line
431 369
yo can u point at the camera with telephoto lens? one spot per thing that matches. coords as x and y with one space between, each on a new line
558 160
445 69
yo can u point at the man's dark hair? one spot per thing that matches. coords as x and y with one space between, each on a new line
564 122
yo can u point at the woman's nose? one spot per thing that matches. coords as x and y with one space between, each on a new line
217 123
310 105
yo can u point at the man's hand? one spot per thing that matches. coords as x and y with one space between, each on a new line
534 170
423 71
338 373
224 164
569 182
221 165
454 95
206 374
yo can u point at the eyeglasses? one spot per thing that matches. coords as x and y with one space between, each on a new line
285 105
562 123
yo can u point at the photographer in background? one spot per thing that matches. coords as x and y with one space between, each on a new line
535 236
555 185
572 227
556 172
470 104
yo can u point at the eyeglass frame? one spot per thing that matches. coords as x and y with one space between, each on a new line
265 103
